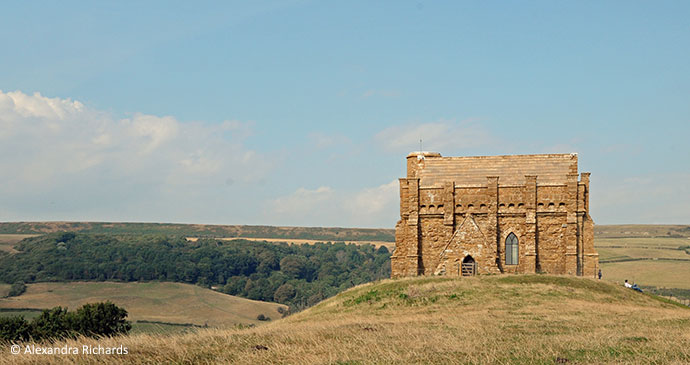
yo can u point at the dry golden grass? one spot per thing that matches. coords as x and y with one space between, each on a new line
154 301
494 319
7 241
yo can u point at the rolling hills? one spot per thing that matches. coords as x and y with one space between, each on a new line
491 319
202 230
303 233
154 302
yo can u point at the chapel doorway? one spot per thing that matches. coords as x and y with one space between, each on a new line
469 266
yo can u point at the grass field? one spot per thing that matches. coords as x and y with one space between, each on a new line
533 319
154 301
26 313
658 262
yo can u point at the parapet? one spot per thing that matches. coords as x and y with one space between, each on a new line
423 153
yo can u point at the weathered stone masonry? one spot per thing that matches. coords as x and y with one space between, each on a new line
462 209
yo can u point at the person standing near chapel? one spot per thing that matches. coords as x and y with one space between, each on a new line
599 274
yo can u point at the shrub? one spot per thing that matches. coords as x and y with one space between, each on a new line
261 317
17 289
52 323
14 329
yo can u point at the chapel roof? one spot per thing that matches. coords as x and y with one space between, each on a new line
434 170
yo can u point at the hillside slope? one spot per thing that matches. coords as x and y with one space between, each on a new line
492 319
153 301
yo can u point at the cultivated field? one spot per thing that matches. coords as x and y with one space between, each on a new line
641 231
159 302
659 262
534 319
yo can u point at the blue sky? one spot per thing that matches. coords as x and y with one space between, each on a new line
302 112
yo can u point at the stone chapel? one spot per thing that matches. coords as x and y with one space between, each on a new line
494 214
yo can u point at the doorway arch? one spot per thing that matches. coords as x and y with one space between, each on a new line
469 266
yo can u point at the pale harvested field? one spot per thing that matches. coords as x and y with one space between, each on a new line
7 241
642 242
667 274
663 264
482 320
389 245
163 302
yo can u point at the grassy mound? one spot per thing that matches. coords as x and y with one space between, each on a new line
490 319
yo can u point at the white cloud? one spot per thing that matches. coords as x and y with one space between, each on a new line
436 136
322 140
303 201
152 130
661 198
37 105
324 206
374 204
58 149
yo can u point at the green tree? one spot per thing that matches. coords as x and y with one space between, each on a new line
293 266
235 285
284 293
52 323
17 289
100 319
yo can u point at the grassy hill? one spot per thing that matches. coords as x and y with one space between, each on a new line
490 319
153 301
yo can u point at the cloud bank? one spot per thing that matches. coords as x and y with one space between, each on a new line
370 207
435 136
76 160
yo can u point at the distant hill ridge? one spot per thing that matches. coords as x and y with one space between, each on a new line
307 233
203 230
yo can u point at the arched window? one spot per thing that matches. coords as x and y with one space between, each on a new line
511 249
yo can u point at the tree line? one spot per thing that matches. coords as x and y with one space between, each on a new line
296 275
